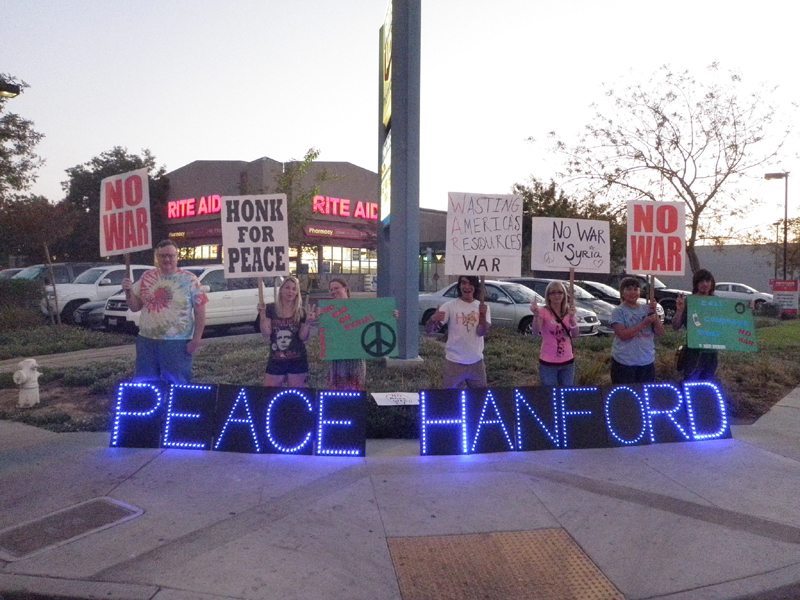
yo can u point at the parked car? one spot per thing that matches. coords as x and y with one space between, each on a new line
740 291
611 295
62 272
230 301
509 304
583 299
95 284
90 315
9 273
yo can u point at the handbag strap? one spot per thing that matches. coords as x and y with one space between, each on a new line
560 322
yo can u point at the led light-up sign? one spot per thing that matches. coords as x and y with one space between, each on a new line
192 207
239 419
333 423
521 419
343 207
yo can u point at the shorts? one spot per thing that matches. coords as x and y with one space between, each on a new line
295 366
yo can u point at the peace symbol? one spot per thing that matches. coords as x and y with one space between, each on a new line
378 339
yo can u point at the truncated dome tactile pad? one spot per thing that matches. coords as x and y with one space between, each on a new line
60 527
542 564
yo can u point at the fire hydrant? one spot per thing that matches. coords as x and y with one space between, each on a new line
27 377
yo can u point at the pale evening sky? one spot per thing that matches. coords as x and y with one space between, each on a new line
241 79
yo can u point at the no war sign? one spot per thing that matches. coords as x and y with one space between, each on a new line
125 213
656 238
255 235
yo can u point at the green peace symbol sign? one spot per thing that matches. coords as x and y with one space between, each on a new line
378 339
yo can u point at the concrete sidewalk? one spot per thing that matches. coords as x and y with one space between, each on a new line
708 520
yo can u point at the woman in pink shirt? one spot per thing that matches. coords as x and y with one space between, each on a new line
556 323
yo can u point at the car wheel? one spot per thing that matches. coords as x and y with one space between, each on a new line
426 316
758 306
669 310
68 314
525 326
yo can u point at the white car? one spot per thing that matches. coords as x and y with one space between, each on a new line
509 306
740 291
93 285
230 301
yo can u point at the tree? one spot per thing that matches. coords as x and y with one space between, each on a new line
18 160
83 201
678 138
30 223
294 182
539 200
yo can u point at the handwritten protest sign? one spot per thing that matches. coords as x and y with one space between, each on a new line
255 236
564 244
656 238
357 328
484 235
714 323
125 213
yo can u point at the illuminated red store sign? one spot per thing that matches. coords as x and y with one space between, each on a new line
342 207
192 207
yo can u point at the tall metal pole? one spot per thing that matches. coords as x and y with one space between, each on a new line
785 219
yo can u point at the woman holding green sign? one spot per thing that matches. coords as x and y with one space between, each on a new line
345 374
698 365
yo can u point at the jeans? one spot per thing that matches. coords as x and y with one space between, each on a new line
163 359
557 376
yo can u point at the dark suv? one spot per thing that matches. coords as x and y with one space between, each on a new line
664 296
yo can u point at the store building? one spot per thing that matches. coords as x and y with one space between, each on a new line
340 233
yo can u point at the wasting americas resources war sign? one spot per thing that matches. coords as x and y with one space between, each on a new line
125 213
563 244
484 235
656 238
255 236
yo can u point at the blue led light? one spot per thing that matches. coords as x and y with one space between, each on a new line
482 421
519 400
323 422
669 412
607 411
167 443
424 422
119 413
562 392
247 419
688 388
270 434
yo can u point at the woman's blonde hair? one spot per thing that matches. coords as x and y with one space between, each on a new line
296 308
558 286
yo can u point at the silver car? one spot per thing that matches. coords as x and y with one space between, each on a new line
509 305
740 291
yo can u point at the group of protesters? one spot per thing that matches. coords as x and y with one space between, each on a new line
636 324
172 305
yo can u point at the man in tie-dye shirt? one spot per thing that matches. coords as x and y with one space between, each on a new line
173 317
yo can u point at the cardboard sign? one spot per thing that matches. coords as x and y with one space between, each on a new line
125 213
484 235
357 328
714 323
255 236
656 238
564 244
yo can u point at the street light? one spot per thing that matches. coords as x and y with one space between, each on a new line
9 90
777 224
785 177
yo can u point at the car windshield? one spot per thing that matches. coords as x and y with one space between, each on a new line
29 272
580 293
606 289
519 293
658 283
90 276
